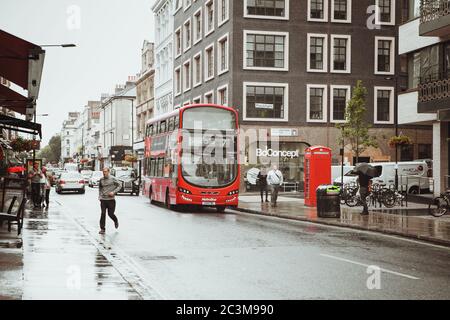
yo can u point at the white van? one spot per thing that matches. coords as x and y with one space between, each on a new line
71 167
411 174
336 172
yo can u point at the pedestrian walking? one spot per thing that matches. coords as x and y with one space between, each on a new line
364 181
35 176
47 186
262 183
108 187
275 180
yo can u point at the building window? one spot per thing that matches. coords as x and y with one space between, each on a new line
384 105
223 11
222 95
178 5
187 75
318 10
187 4
339 100
197 100
266 50
197 71
385 12
274 9
178 81
223 61
209 63
209 21
209 97
317 53
425 151
316 103
178 43
198 26
430 58
384 58
341 54
341 11
407 152
187 34
265 101
414 70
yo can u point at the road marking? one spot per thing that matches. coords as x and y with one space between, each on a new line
367 265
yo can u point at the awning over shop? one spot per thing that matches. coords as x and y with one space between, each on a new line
14 124
21 62
14 101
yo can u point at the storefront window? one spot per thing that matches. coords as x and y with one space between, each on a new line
407 153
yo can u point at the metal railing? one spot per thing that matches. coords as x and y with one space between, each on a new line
434 90
431 10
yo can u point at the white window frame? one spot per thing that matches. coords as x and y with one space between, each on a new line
194 69
347 99
267 84
185 5
391 104
348 55
219 54
199 38
180 5
199 98
392 55
275 33
324 104
186 48
377 14
179 29
205 66
219 13
186 103
325 12
349 13
325 52
207 94
185 88
286 17
221 88
209 31
178 89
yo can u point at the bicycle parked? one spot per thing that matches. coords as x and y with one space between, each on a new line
440 205
379 195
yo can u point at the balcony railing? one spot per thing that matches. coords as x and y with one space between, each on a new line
434 90
431 10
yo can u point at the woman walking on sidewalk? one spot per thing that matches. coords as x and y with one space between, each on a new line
262 183
108 187
47 187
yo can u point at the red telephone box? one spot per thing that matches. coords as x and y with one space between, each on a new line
317 171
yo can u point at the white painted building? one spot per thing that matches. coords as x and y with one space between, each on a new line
163 10
69 134
424 49
117 120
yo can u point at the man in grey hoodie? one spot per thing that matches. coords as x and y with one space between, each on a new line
108 187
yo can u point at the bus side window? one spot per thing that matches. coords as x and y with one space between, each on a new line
156 128
170 126
152 167
150 130
176 122
160 167
163 126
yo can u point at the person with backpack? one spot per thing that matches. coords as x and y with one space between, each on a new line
275 180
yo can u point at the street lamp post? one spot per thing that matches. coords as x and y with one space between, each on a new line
395 78
34 135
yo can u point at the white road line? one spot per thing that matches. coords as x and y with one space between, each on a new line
367 265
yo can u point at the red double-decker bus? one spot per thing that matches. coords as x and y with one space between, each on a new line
191 157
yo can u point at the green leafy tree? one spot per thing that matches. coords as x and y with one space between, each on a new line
52 151
355 131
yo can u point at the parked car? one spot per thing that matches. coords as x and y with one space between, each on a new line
95 178
411 174
70 181
71 167
87 174
129 179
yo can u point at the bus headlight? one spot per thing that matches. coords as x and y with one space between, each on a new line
182 190
234 192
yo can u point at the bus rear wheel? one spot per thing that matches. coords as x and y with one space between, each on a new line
167 202
150 193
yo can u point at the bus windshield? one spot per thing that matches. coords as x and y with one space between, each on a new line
209 147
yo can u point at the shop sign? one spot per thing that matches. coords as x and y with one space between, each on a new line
267 106
283 132
277 153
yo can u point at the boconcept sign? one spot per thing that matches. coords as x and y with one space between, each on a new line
277 153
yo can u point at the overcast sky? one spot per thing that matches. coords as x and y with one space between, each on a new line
108 33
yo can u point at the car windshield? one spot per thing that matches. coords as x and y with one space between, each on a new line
350 174
97 174
86 173
71 176
123 174
209 147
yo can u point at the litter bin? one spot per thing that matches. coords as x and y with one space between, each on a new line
328 201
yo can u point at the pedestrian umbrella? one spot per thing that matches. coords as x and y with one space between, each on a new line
16 169
368 169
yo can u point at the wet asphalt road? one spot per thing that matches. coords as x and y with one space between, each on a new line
205 255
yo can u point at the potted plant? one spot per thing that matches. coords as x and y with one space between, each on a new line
399 140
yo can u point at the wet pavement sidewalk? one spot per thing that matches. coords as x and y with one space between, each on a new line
58 261
412 221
